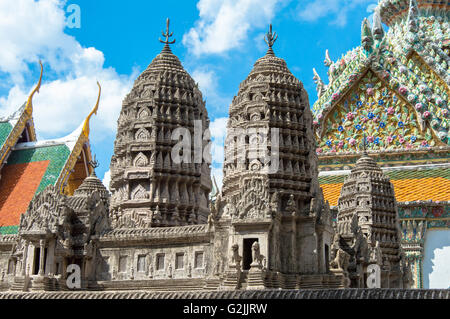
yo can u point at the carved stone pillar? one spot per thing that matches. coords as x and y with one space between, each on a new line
41 257
24 259
294 246
413 236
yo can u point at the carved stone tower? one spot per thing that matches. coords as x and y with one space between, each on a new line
272 205
367 206
149 187
270 110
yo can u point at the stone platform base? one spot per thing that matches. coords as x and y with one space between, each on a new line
240 294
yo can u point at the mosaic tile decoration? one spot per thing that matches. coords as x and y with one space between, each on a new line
5 129
373 110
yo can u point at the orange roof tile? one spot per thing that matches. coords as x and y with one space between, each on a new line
331 193
434 188
406 190
18 184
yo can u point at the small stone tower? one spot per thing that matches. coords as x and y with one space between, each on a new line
149 187
368 224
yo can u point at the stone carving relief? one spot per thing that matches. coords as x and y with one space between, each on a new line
46 212
139 192
140 160
144 113
132 220
235 258
254 201
340 258
142 134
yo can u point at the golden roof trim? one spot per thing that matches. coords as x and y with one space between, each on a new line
29 106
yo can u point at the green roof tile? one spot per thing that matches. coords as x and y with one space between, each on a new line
5 129
9 230
57 155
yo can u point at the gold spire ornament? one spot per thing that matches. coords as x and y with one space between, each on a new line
94 111
29 106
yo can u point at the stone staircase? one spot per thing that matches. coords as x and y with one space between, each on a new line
19 284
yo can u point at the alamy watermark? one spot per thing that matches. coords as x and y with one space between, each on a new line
73 20
74 277
254 149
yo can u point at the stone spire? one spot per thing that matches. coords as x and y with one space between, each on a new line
367 203
146 181
93 184
270 183
268 141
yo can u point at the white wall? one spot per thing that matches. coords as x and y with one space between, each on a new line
436 262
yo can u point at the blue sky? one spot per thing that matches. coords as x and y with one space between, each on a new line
217 42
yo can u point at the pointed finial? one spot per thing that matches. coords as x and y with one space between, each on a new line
167 35
327 61
94 164
94 111
377 28
29 106
364 145
366 36
413 13
270 39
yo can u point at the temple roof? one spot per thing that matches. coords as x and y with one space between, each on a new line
32 166
393 11
401 78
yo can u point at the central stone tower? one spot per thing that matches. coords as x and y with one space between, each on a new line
269 134
271 213
149 188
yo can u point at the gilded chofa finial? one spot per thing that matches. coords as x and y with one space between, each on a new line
29 106
167 35
94 111
270 39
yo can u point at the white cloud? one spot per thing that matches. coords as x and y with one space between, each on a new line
107 179
208 84
224 25
317 9
205 79
218 129
32 30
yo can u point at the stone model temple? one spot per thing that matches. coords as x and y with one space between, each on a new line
392 93
271 225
